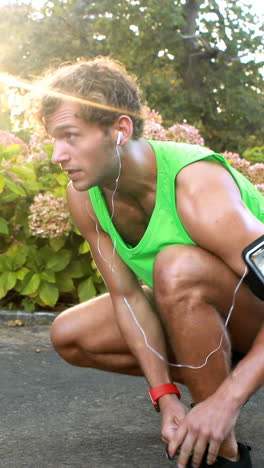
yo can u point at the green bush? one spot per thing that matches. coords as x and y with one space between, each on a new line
255 155
45 267
44 261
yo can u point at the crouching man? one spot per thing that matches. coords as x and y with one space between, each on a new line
175 217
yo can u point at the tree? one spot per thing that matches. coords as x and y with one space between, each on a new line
194 58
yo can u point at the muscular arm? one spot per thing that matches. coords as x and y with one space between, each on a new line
214 215
210 206
216 218
123 285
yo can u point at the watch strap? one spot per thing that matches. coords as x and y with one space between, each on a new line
157 392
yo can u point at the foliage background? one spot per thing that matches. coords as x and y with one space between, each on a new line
198 61
199 67
44 261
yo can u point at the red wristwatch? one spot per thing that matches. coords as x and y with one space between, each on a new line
157 392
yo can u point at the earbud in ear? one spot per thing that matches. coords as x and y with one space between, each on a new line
119 138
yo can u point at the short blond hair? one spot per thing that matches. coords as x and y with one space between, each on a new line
102 80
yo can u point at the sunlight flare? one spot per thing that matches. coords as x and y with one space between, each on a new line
12 82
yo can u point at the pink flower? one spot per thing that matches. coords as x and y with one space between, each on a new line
49 216
152 115
7 139
184 133
154 131
256 173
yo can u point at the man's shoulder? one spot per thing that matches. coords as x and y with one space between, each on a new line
180 150
174 156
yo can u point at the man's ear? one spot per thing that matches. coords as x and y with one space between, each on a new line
123 130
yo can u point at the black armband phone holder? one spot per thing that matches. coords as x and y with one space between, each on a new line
253 256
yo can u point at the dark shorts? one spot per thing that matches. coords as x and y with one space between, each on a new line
236 358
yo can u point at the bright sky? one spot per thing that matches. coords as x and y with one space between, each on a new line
257 5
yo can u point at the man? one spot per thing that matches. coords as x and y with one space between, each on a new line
177 217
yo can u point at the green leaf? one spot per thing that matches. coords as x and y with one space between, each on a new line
11 150
28 304
102 288
60 192
5 263
30 284
62 179
44 254
48 148
84 248
15 188
2 183
3 290
60 260
18 255
74 270
24 172
97 276
48 275
20 274
64 282
81 267
76 230
49 294
57 243
8 197
3 226
32 186
9 279
86 290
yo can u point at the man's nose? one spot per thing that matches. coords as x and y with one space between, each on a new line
59 153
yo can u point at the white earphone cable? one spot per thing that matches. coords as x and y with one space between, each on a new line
111 266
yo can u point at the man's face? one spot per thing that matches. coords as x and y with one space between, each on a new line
82 149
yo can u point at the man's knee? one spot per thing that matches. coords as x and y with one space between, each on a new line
60 334
65 337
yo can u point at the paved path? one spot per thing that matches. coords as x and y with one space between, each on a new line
53 415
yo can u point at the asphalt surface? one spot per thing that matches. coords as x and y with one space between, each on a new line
55 415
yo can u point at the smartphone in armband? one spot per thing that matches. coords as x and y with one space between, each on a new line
253 256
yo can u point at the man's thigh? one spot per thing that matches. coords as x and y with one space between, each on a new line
93 323
192 269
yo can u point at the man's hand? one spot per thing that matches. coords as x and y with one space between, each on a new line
207 424
173 413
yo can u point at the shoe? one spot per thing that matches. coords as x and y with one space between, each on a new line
221 462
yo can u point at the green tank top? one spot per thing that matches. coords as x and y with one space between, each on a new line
165 227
